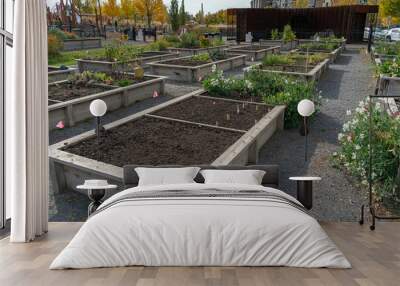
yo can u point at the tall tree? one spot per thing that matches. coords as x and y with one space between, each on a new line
182 14
391 8
174 15
149 9
111 9
127 8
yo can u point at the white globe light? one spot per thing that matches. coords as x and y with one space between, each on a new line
306 108
98 108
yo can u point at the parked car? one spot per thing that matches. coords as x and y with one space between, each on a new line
393 34
379 34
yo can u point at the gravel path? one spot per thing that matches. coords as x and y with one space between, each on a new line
346 82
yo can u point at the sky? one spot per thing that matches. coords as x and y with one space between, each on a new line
193 6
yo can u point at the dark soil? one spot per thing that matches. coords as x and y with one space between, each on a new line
156 142
216 112
237 96
68 91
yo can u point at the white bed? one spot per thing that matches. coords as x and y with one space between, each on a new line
201 231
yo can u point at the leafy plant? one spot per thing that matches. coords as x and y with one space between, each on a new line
189 41
288 34
61 35
275 59
217 42
160 45
387 48
278 89
319 46
390 68
204 42
353 155
54 46
275 34
201 58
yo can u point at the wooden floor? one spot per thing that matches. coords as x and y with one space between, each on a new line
375 257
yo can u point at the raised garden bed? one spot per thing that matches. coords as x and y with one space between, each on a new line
70 104
253 52
311 72
58 74
160 135
285 46
183 52
81 44
386 85
333 54
102 65
341 42
184 69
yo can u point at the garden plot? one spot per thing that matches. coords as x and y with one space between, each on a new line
184 52
69 101
196 68
107 65
333 50
284 45
58 74
253 52
385 50
307 67
189 130
388 82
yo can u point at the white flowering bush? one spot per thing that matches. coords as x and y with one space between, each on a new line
385 142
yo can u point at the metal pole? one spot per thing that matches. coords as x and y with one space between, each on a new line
98 136
306 135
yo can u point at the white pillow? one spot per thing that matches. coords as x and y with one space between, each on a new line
166 176
244 177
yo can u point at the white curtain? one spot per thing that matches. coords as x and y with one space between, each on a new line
27 123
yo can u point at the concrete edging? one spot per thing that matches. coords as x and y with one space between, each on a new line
251 54
77 110
194 73
313 75
184 52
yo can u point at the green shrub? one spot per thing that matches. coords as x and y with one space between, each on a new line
204 42
275 34
385 48
61 35
217 42
353 155
319 46
390 68
160 45
275 59
189 41
288 34
201 58
54 46
172 39
276 89
272 88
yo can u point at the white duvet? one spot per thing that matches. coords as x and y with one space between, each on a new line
200 232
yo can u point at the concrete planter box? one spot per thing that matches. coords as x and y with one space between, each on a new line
306 41
313 75
59 75
103 66
284 46
332 55
69 170
195 73
81 44
77 110
383 57
183 52
255 55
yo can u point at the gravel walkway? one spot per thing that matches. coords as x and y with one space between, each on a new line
335 198
346 82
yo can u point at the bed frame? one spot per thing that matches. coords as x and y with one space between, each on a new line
271 177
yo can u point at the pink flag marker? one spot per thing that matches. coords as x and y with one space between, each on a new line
155 94
60 125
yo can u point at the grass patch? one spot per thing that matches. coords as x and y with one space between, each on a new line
68 58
